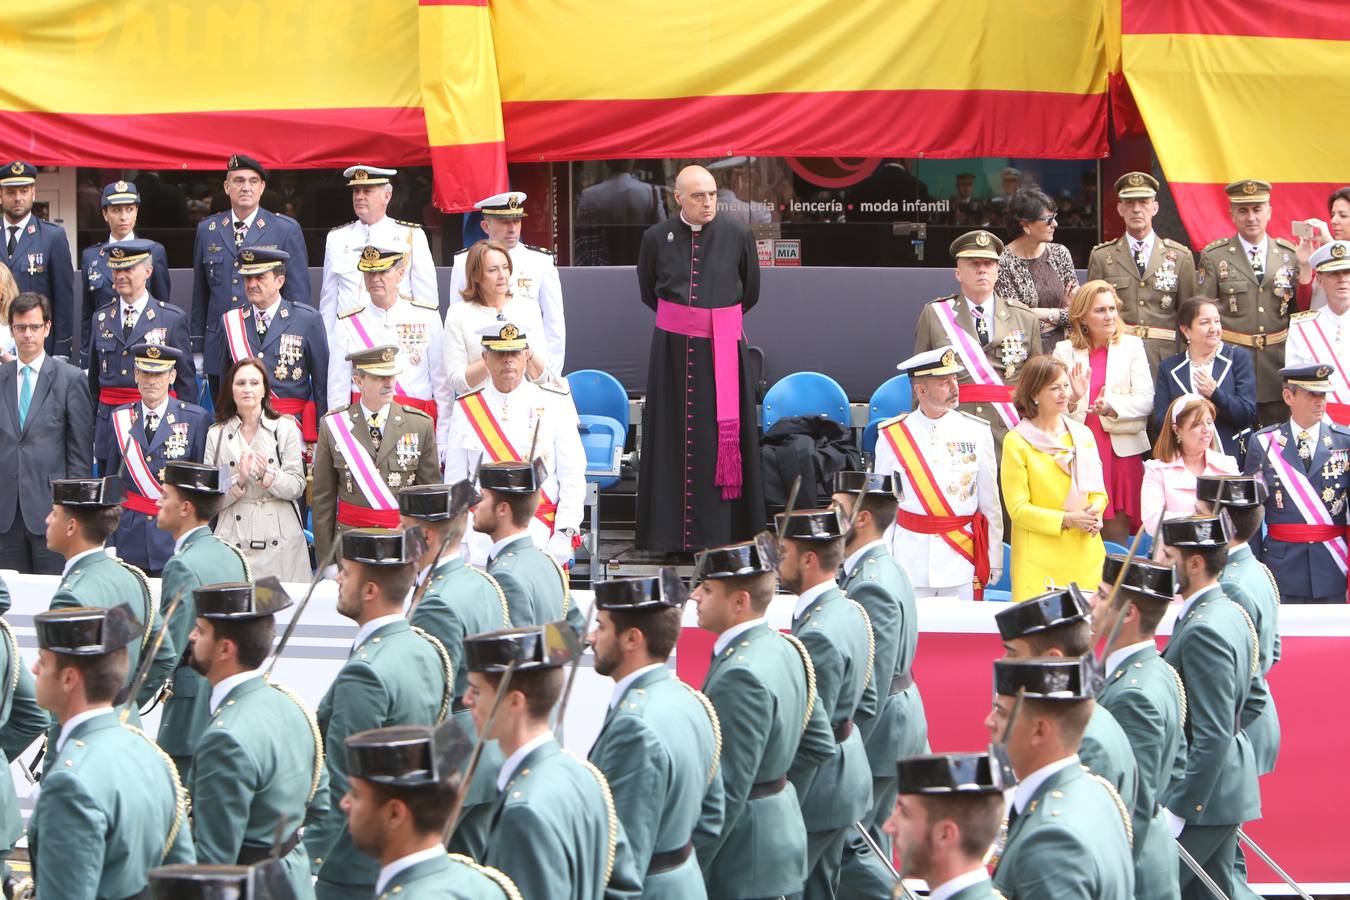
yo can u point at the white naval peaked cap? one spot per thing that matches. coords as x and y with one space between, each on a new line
938 361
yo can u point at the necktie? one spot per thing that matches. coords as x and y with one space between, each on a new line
1305 449
981 325
13 239
151 423
239 229
262 324
25 394
1258 265
1139 259
128 321
376 434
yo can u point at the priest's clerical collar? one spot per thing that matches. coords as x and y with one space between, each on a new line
691 225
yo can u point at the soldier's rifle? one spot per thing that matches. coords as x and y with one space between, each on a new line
147 660
324 563
452 819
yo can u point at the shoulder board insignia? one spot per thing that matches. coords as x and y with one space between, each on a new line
889 422
1303 316
1177 244
1339 428
414 410
344 225
1015 303
556 387
548 253
942 299
974 418
424 304
1219 243
1286 243
351 312
408 224
339 411
468 394
1267 428
1101 245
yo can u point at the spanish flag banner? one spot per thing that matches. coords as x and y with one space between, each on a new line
1229 90
585 80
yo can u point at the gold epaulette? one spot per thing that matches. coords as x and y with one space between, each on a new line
1218 243
343 225
408 224
1303 316
1176 245
414 410
1286 243
347 313
891 421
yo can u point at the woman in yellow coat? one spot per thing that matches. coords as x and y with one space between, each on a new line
1052 487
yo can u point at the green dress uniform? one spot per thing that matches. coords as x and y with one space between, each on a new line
449 875
1251 585
111 806
13 701
555 826
660 750
1068 830
763 686
202 558
1148 298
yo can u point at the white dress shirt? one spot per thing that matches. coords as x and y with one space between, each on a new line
626 682
515 759
74 560
372 626
1313 431
1147 247
137 305
808 596
223 688
178 544
856 556
499 546
1261 250
958 884
1124 653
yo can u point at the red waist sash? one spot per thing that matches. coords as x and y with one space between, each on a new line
986 393
305 413
979 528
140 504
1305 534
354 516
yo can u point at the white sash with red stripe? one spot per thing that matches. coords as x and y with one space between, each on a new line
364 472
1321 348
137 466
972 355
369 343
236 335
1305 498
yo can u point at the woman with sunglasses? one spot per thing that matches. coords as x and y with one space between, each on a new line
1033 268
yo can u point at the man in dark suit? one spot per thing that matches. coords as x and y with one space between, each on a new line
46 432
37 252
217 285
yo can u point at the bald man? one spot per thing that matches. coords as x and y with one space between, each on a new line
700 447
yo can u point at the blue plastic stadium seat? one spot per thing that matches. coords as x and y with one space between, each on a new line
1145 545
204 398
806 394
597 393
888 401
1113 547
600 436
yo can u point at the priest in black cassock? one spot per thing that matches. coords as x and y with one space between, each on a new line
699 484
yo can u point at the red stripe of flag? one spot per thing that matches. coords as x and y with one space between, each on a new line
1312 19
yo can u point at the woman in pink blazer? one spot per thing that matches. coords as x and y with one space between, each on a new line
1187 448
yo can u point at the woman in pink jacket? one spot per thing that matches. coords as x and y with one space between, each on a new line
1186 449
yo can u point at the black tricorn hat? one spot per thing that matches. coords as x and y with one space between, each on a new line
948 774
191 476
93 492
265 880
383 546
87 630
1149 580
1236 491
512 477
863 483
437 502
813 525
1061 606
754 557
409 755
1196 531
648 592
535 647
1047 677
237 600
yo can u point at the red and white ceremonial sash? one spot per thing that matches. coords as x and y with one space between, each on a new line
364 472
1321 349
500 449
1307 501
148 490
236 335
976 362
370 344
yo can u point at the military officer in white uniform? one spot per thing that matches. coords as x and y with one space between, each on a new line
386 317
342 286
497 422
949 528
1323 335
533 271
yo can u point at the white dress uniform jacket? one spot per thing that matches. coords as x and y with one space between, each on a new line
343 287
534 275
1321 336
464 323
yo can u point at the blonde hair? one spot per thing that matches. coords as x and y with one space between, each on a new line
1168 446
9 289
1081 305
474 266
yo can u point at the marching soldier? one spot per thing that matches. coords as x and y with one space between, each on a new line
38 255
133 318
262 881
342 286
1215 650
1151 274
396 675
111 807
367 451
837 633
1323 335
21 720
875 580
1253 275
533 268
992 336
1146 698
661 741
192 495
155 430
499 422
1068 831
386 317
217 285
536 588
949 524
85 512
764 682
461 600
121 203
404 782
1304 461
287 336
261 761
554 813
945 817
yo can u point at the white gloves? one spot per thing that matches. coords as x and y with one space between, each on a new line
560 548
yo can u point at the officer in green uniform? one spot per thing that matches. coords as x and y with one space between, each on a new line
1147 699
403 784
1151 274
1215 649
192 496
1253 276
1068 830
262 881
837 633
259 764
396 675
1056 624
85 513
946 815
661 741
555 829
461 600
111 807
369 450
874 579
21 720
535 585
762 684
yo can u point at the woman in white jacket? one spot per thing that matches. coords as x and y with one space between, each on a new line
1111 393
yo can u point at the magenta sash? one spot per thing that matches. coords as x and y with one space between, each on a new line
723 326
